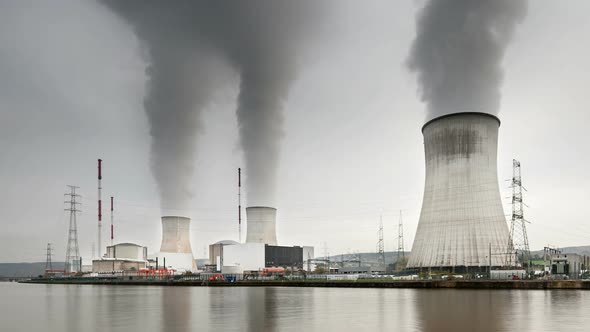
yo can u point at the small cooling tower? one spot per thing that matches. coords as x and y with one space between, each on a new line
462 213
261 225
176 244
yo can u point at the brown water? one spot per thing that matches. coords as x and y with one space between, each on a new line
135 308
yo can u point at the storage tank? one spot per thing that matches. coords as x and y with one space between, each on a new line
261 225
176 244
462 214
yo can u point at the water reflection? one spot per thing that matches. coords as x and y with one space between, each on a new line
121 308
176 309
460 310
261 304
72 296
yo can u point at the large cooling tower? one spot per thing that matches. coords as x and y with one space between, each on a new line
176 244
462 210
261 225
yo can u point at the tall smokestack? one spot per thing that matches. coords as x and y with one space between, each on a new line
462 210
112 220
261 225
99 208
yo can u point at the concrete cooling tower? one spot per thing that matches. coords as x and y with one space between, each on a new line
261 225
176 244
462 210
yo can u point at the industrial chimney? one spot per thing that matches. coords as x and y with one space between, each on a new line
462 219
261 225
176 244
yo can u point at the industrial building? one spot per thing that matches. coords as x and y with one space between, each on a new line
568 266
121 257
258 256
462 221
260 250
216 252
176 245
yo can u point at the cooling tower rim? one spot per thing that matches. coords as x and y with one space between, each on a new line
177 217
260 207
459 114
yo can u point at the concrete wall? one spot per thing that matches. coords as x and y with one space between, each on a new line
181 262
215 250
250 256
111 265
462 210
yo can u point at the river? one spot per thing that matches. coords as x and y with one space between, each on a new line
28 307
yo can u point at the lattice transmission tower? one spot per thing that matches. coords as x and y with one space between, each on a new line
401 256
400 239
72 263
48 265
381 245
518 242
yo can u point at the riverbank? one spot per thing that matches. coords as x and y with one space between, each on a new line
427 284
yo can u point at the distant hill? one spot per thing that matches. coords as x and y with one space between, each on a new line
581 250
26 269
370 258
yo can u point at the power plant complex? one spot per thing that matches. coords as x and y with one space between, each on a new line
462 224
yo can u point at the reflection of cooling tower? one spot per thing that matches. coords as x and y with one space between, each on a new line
261 225
462 211
176 243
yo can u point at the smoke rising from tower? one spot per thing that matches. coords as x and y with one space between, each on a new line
458 51
259 38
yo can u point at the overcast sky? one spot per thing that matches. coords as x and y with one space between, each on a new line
72 81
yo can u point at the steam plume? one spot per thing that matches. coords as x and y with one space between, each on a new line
259 38
458 51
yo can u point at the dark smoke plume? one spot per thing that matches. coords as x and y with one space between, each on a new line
259 38
458 51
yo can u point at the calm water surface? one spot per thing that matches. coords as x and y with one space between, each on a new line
126 308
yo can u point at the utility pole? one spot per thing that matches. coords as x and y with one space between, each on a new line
381 245
518 242
48 265
72 251
400 242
